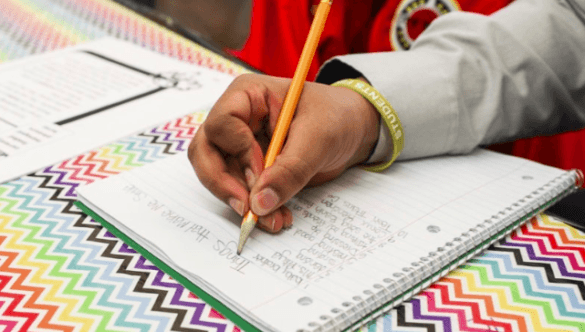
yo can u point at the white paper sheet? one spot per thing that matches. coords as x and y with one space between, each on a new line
57 105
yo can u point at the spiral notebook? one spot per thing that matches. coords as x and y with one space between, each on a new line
359 245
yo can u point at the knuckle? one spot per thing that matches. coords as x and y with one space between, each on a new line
229 136
191 151
221 128
193 147
247 77
254 84
241 135
214 127
238 141
240 80
247 81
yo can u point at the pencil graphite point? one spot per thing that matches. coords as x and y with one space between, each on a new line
248 225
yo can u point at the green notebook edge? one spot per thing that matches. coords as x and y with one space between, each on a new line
216 304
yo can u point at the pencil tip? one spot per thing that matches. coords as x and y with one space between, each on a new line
248 225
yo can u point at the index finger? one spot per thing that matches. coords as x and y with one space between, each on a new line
216 175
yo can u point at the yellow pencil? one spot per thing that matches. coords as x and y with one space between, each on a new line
289 106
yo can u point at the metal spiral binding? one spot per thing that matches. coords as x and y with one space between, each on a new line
448 257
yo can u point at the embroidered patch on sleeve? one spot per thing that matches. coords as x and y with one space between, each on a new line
412 17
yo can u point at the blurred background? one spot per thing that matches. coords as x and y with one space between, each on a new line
220 24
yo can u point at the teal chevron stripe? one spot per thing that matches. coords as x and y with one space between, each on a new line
532 280
525 287
482 273
70 244
43 253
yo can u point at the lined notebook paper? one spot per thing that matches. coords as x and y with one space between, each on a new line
358 246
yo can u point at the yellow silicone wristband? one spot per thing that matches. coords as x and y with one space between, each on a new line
388 115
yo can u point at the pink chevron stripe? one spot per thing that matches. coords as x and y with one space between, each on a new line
214 314
8 325
563 249
459 296
487 304
540 241
433 304
79 171
88 167
183 128
14 300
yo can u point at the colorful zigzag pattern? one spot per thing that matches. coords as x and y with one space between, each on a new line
35 26
533 280
61 271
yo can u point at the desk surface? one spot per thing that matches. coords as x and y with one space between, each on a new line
61 271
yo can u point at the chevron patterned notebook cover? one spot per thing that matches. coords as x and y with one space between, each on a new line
407 226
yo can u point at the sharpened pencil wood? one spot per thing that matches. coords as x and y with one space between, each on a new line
291 100
248 225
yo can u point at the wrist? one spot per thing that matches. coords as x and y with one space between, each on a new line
368 123
386 113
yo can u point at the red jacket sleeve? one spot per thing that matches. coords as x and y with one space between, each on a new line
280 27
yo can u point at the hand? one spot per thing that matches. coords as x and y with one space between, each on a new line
333 129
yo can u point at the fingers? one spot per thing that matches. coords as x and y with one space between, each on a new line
231 122
312 142
219 175
225 152
280 182
325 138
274 222
322 142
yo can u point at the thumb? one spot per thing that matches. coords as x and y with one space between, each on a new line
278 183
291 171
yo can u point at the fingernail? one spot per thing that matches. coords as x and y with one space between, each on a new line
288 225
250 177
264 201
237 205
267 223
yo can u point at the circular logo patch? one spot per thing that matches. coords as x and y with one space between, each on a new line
412 17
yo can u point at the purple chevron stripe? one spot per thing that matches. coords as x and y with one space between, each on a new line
167 137
60 180
560 263
110 235
417 314
176 297
143 264
126 249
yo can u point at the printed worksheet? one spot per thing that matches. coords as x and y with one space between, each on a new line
57 105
